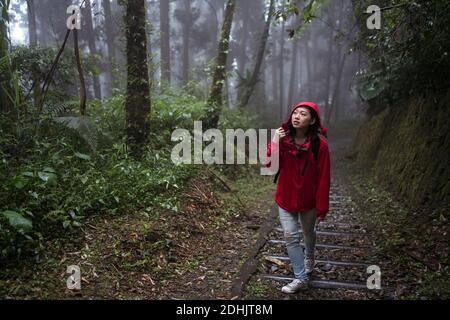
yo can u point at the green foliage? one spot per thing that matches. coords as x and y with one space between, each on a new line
57 178
34 63
410 54
83 126
4 5
371 85
171 110
236 118
108 118
59 168
28 68
58 186
17 221
313 9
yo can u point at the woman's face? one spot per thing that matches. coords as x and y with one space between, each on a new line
301 118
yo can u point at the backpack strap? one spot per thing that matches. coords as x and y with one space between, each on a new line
276 176
315 147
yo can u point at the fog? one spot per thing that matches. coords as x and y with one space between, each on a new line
316 65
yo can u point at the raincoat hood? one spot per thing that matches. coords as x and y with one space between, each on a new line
311 105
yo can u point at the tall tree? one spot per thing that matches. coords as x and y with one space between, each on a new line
281 58
215 100
80 74
329 68
335 98
213 8
308 60
32 34
165 41
5 77
150 57
187 22
249 84
137 102
92 48
243 36
32 27
293 79
341 57
109 32
275 71
51 19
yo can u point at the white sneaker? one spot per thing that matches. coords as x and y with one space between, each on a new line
294 286
309 264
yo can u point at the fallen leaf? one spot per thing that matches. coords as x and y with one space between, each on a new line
276 261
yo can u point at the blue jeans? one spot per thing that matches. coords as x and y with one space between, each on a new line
289 222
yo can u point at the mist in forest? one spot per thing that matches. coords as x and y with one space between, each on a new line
316 65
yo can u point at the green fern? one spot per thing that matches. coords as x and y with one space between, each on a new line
4 64
59 108
83 126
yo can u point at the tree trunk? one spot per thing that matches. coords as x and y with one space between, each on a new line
32 28
308 69
215 101
137 104
5 77
243 37
227 94
165 42
274 77
211 53
329 71
150 57
92 49
281 61
32 33
109 31
80 74
336 90
260 90
293 79
186 40
250 84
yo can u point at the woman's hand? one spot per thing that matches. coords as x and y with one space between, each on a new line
279 133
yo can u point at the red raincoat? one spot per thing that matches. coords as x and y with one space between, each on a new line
303 183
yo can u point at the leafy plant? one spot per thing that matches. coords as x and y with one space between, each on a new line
409 54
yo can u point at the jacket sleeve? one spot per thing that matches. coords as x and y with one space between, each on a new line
324 178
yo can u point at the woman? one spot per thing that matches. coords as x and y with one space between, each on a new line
303 187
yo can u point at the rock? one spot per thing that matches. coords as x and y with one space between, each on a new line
21 292
326 267
152 236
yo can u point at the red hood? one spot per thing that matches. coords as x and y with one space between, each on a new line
313 106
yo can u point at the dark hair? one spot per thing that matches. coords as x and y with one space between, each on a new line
312 132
